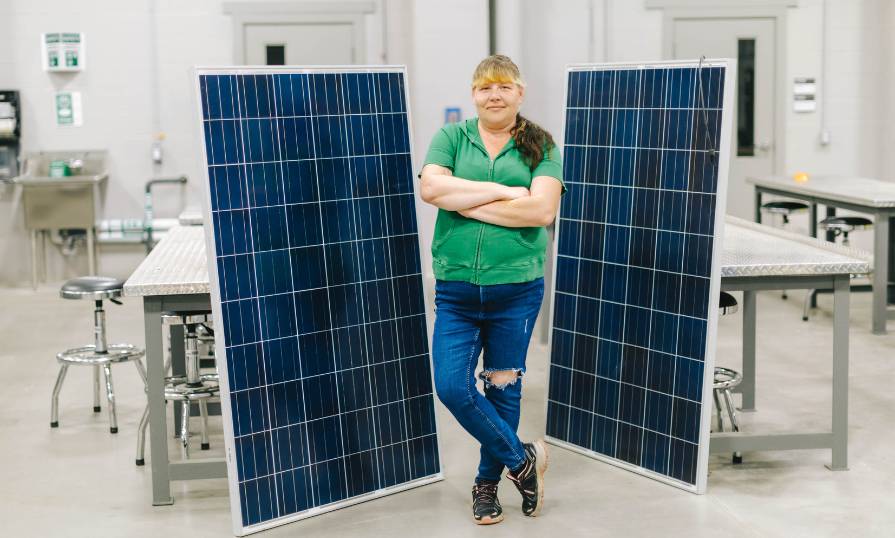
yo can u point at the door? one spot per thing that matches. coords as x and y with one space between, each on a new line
752 42
312 43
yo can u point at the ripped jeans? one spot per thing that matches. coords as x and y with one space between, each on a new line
498 319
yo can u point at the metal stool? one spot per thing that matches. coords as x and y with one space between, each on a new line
192 387
839 226
784 208
99 354
726 379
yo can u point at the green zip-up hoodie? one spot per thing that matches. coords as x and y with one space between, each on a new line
477 252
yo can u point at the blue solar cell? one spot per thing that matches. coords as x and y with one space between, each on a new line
317 262
634 270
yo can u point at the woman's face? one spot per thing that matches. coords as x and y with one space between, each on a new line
498 103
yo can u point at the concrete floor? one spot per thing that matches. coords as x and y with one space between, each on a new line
81 481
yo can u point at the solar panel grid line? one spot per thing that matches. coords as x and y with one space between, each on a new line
371 386
250 241
580 239
311 376
627 249
657 432
208 151
395 306
623 304
724 126
324 331
638 108
306 430
680 292
416 408
621 382
697 173
270 206
587 221
284 293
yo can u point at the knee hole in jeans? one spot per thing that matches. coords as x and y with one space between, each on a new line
501 379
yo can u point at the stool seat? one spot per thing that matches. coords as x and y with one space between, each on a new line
846 223
727 303
784 207
92 287
186 317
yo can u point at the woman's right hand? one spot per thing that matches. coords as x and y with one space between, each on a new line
513 193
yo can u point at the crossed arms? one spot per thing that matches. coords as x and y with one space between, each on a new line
487 201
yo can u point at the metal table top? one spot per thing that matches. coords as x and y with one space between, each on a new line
191 216
755 250
855 190
177 265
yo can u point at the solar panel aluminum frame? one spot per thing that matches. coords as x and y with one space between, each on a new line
217 314
727 103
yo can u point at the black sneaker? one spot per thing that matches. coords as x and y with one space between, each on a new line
486 509
529 479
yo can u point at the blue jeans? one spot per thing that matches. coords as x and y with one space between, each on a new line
499 319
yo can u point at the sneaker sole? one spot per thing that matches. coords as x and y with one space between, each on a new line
488 520
541 460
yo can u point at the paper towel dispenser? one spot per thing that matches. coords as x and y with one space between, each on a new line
10 134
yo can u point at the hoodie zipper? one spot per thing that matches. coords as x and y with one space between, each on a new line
481 146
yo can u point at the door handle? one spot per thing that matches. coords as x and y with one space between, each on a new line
764 147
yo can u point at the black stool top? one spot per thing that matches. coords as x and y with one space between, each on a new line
783 206
846 222
727 303
92 287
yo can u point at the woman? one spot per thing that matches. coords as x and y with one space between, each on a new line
496 180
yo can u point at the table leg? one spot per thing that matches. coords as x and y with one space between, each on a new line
757 205
91 250
155 371
747 386
812 225
831 212
890 296
34 258
44 257
880 272
841 289
178 367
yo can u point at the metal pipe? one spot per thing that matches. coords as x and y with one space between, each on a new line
492 26
99 328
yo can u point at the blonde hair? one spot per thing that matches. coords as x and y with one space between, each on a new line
496 68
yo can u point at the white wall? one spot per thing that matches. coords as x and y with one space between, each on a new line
888 48
449 39
441 42
859 73
119 92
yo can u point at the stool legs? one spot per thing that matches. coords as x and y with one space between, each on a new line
185 429
96 408
807 306
203 411
110 396
734 423
54 413
731 414
141 436
718 407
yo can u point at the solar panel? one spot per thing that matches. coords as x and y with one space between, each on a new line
316 289
634 310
